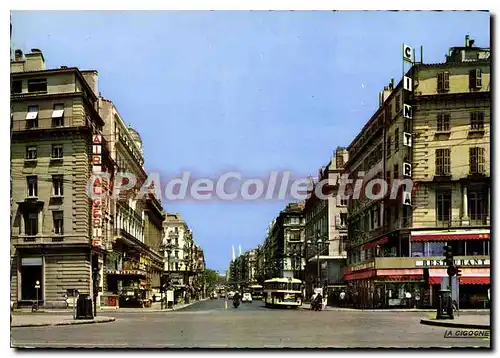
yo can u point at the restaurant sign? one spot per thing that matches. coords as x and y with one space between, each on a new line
98 189
461 262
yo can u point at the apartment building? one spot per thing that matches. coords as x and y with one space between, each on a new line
326 220
282 252
133 267
57 245
432 128
178 248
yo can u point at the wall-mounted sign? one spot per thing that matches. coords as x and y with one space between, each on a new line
96 153
468 262
407 53
406 198
407 83
407 111
407 169
407 139
362 266
98 190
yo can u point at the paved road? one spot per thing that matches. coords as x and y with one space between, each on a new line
209 325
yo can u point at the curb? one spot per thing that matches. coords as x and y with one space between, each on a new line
454 325
75 322
334 309
138 310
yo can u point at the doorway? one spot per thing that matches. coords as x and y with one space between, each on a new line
29 275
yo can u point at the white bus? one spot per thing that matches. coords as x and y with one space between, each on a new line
256 291
284 292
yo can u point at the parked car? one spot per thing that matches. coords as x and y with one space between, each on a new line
230 295
247 297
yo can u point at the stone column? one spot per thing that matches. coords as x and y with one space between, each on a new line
465 210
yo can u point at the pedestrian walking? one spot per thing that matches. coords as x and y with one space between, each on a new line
342 298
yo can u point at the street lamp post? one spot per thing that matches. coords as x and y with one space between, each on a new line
317 244
168 249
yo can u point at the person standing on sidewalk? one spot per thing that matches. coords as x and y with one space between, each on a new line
342 298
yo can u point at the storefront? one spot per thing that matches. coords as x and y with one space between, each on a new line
415 282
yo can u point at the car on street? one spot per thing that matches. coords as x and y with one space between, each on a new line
247 297
230 295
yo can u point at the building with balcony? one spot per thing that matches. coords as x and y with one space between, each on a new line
134 265
282 254
436 132
58 235
179 250
326 219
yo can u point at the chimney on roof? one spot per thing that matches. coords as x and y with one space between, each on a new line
18 55
91 77
34 61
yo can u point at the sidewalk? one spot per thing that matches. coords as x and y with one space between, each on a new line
156 307
464 321
307 306
35 320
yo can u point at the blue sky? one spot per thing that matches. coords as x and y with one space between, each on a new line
247 91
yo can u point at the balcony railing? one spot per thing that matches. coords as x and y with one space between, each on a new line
478 220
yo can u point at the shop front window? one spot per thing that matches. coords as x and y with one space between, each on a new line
435 248
417 249
476 247
458 247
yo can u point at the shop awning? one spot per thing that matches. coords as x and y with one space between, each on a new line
381 241
450 237
359 275
463 280
474 280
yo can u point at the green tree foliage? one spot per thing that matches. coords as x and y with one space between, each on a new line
210 277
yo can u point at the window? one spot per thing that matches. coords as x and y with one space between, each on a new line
388 112
176 254
443 81
32 117
58 115
476 160
475 78
31 152
388 175
396 171
340 201
57 184
343 242
176 241
434 248
32 182
396 140
37 85
58 222
443 122
388 144
443 205
442 161
458 247
475 247
57 151
398 103
343 219
31 223
477 206
16 87
477 120
417 249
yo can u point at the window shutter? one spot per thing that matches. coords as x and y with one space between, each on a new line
480 160
478 82
446 80
440 122
472 79
440 81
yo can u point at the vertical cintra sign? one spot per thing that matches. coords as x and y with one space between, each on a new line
408 57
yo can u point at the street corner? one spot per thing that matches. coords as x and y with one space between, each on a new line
40 321
459 323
